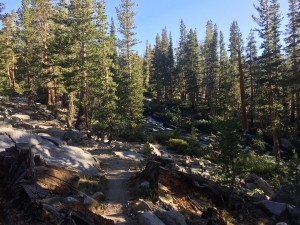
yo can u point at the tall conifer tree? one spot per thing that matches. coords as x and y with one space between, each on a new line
293 51
268 20
130 88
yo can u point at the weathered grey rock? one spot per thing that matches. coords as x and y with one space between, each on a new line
54 132
6 142
149 218
99 196
73 136
287 195
88 201
154 150
68 156
172 218
261 183
20 136
20 117
55 140
294 212
27 126
286 144
142 205
281 223
70 200
5 124
257 197
129 155
273 208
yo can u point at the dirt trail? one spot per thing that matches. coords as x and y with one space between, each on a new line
118 173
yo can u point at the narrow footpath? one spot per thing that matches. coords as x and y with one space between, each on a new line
118 172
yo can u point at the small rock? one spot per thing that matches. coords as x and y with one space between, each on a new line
258 197
250 186
144 206
20 117
88 201
5 124
70 200
145 185
273 208
129 155
155 150
172 218
99 196
281 223
286 144
149 218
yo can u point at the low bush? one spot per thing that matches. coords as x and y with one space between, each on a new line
162 137
178 145
264 165
203 125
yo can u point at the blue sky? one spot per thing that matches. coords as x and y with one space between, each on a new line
153 15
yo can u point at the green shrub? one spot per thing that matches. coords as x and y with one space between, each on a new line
264 166
162 137
204 125
259 145
178 145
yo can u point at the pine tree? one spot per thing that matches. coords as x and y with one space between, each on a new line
211 65
181 63
224 81
8 53
62 56
193 76
236 49
170 70
269 22
28 62
81 14
156 78
102 85
164 50
113 51
130 87
42 23
234 67
147 65
293 52
251 62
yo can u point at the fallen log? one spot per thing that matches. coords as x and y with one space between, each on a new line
184 184
57 180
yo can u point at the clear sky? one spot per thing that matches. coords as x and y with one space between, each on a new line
153 15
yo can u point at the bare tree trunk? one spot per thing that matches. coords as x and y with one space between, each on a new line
29 90
275 134
293 108
242 90
12 73
8 75
298 112
252 109
71 110
82 116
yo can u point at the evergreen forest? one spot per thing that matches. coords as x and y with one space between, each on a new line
244 92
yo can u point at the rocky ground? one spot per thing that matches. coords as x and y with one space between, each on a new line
121 201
